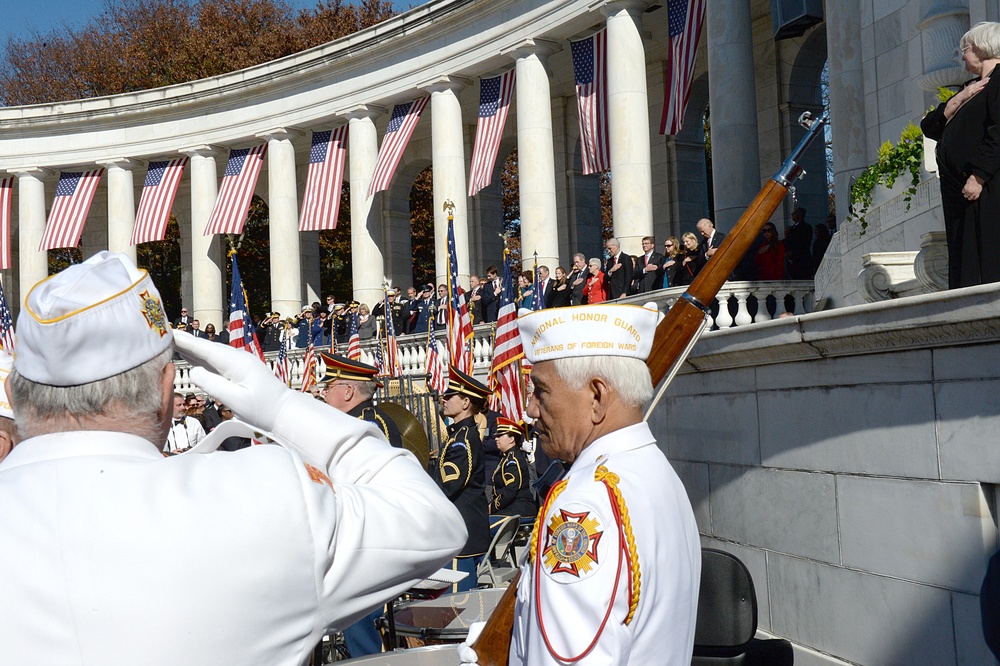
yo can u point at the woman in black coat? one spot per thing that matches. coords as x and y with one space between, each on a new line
967 129
511 483
691 258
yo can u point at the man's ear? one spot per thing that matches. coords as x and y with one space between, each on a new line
601 399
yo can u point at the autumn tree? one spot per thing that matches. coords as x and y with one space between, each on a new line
422 227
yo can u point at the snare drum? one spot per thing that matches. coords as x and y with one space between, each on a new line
435 655
447 618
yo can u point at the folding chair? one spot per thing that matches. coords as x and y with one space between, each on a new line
499 565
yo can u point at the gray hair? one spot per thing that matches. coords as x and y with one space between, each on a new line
595 261
580 255
628 377
363 387
613 242
134 397
985 38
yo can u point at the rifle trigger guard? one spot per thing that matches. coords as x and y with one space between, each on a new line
695 302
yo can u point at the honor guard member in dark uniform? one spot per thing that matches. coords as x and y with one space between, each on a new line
349 386
511 479
458 468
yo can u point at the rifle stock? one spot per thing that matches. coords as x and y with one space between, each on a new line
672 336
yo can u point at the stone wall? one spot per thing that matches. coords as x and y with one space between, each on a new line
848 458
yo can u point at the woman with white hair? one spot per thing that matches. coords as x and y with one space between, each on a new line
967 129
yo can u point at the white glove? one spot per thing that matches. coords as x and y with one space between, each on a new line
466 654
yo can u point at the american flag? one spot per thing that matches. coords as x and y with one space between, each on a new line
505 373
459 320
321 202
437 380
401 124
238 182
6 325
6 191
394 367
379 361
282 368
538 297
590 64
241 331
353 339
684 18
74 193
309 369
494 104
158 192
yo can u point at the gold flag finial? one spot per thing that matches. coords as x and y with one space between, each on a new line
449 206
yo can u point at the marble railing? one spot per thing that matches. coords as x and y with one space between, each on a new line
742 298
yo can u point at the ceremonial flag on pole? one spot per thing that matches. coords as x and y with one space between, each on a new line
321 202
404 119
684 20
393 367
282 369
436 378
309 369
74 193
6 325
231 206
379 362
354 339
241 332
6 194
590 64
505 373
538 298
158 192
459 321
494 104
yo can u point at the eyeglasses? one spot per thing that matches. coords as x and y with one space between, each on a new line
668 245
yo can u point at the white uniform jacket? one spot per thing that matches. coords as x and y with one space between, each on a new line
560 612
112 554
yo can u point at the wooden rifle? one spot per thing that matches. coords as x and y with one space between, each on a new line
682 322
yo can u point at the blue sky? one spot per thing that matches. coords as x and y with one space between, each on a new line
21 17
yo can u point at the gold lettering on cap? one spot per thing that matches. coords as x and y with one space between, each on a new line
545 325
621 323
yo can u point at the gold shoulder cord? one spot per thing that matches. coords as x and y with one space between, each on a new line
610 480
468 457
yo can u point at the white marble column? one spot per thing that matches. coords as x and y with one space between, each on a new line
535 154
33 266
121 205
448 155
283 221
733 99
207 284
628 124
367 263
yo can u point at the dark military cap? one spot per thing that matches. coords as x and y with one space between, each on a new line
459 382
511 427
341 367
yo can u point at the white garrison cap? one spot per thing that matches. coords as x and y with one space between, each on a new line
91 321
6 363
589 330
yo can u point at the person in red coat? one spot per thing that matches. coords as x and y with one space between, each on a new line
593 290
770 257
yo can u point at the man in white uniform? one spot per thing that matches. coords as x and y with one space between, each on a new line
114 554
613 568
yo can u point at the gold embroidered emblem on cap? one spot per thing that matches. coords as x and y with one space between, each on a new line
153 312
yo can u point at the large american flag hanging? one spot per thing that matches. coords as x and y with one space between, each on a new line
353 339
6 194
321 202
74 193
231 206
6 325
459 320
158 192
505 373
436 378
494 104
684 18
241 331
401 125
590 65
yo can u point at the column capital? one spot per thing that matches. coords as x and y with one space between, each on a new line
280 134
363 112
542 48
608 7
204 150
444 83
125 163
41 173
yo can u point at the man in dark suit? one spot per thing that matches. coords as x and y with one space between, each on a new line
617 271
710 238
475 299
798 240
491 295
578 278
545 286
183 319
195 329
648 273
